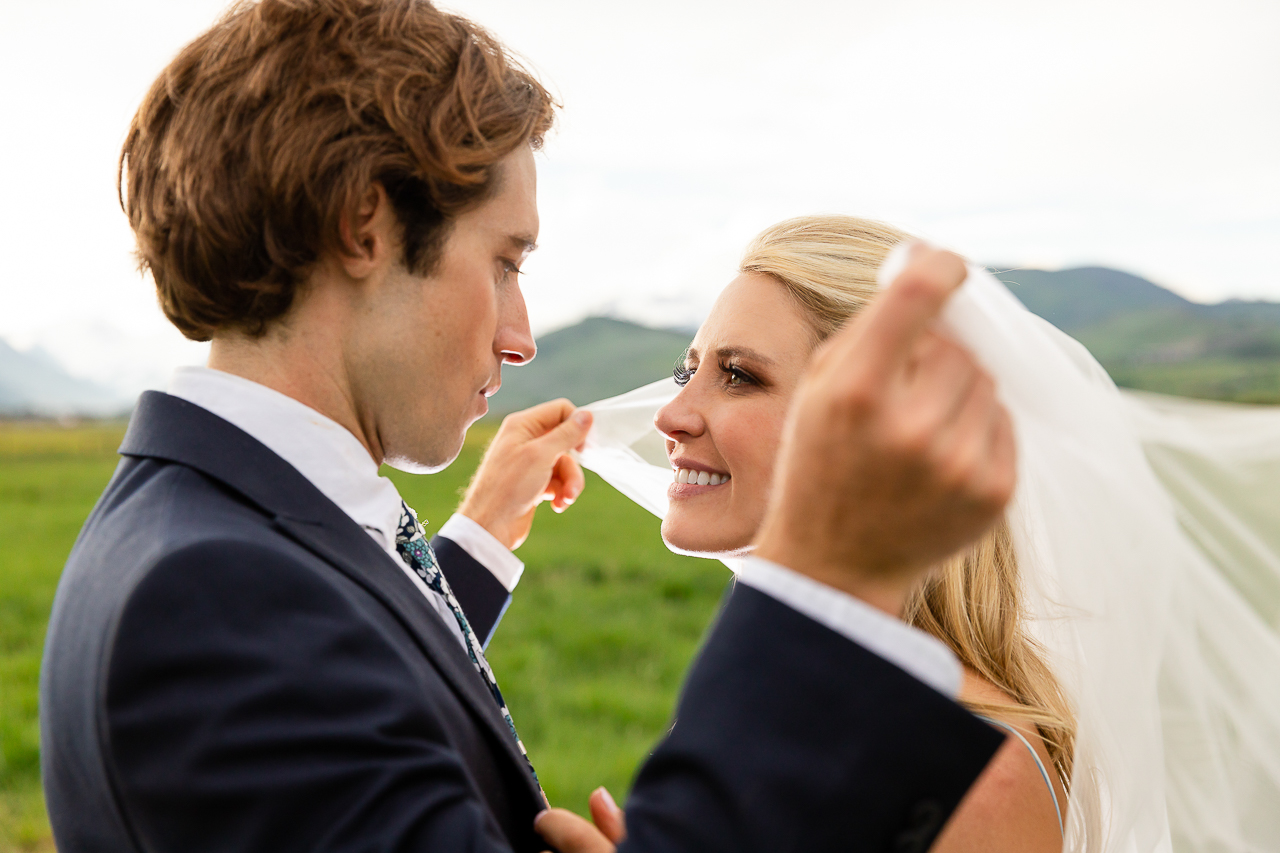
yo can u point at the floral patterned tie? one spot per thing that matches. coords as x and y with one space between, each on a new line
413 547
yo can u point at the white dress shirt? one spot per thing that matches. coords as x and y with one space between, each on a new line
337 464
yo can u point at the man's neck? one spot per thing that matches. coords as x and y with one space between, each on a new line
304 367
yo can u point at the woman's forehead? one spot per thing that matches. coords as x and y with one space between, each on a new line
755 313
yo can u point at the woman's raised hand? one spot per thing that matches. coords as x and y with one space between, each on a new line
896 452
571 834
527 463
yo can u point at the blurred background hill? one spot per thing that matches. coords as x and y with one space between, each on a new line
1146 337
1152 339
594 359
34 384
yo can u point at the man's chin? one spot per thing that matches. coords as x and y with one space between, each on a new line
427 460
441 447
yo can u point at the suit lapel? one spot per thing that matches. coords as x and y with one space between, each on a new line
371 567
167 427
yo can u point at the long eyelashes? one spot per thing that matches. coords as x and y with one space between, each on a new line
508 270
734 377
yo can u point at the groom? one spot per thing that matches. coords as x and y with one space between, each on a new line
254 647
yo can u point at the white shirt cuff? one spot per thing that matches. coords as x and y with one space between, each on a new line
485 549
910 649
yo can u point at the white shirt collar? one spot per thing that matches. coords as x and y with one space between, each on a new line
323 451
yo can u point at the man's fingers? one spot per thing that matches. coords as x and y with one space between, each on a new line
569 833
608 817
964 443
565 437
883 337
1003 456
537 420
567 482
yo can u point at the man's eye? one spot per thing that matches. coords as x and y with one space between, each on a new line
509 269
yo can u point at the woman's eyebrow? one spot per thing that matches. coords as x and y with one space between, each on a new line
744 352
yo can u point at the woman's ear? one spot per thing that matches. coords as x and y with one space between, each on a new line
369 234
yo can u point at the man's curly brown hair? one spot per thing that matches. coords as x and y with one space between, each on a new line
264 133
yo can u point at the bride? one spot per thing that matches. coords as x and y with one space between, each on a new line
799 282
1119 624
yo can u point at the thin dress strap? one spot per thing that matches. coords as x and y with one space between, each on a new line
1044 774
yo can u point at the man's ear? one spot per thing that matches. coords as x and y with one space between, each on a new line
369 234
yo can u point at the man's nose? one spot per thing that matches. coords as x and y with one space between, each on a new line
514 341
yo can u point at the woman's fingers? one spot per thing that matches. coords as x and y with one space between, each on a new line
609 819
569 833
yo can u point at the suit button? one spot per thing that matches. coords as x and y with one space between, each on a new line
921 828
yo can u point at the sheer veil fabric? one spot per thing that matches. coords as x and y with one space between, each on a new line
1148 536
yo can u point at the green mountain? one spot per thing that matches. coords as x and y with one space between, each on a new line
1078 298
1150 338
597 358
1145 336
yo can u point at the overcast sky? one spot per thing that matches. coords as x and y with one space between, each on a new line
1142 136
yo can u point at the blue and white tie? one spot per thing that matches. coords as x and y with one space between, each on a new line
413 547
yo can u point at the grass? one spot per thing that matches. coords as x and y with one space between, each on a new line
1233 380
590 654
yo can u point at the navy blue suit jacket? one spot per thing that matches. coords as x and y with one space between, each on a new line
233 664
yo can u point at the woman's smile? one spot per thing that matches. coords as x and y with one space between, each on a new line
693 480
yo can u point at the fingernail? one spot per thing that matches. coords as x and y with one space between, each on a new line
894 263
582 417
608 799
538 817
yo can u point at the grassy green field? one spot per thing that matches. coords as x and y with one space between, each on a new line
590 654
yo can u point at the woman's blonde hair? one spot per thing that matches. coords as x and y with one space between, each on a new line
973 602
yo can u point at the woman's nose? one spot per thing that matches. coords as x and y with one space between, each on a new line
680 418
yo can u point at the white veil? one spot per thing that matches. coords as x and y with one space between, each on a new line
1148 532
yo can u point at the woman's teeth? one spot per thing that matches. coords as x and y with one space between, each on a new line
700 478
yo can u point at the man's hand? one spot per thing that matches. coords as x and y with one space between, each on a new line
526 464
569 833
896 452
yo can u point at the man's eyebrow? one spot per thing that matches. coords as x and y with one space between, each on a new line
522 243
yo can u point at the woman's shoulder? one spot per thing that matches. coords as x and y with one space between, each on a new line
1009 808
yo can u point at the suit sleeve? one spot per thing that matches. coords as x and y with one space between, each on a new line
789 737
251 705
482 597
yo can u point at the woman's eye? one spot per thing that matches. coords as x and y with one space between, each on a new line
735 377
682 375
